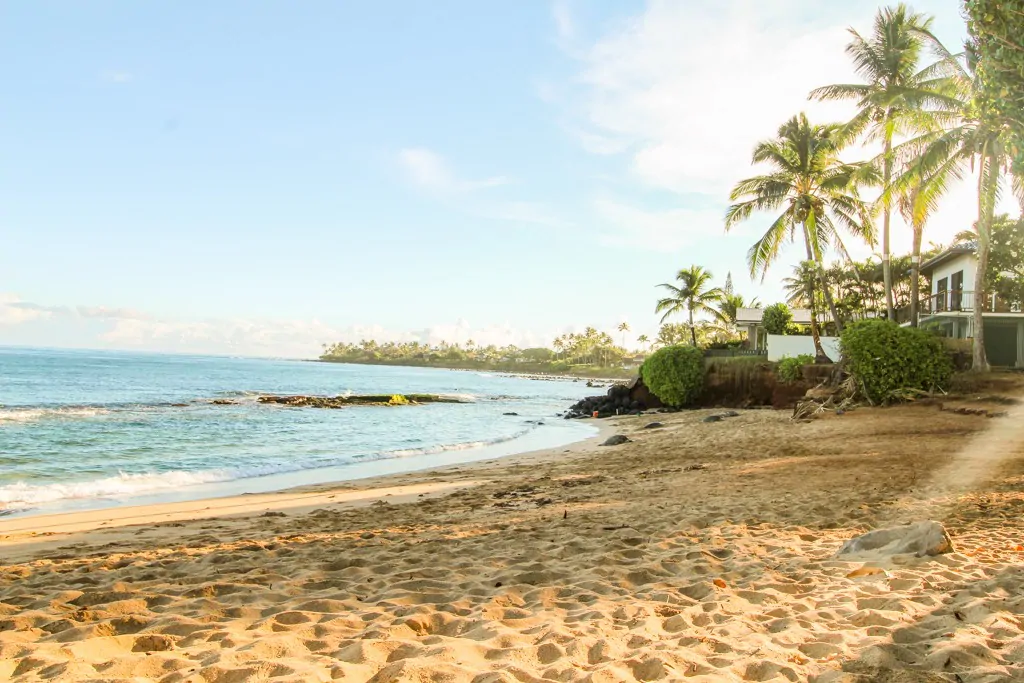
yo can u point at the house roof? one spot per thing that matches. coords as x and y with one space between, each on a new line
801 316
956 250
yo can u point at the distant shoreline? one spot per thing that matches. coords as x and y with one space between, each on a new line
597 374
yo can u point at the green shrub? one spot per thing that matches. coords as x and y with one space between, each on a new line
675 374
886 358
791 370
776 319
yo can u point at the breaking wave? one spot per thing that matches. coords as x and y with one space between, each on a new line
23 496
23 415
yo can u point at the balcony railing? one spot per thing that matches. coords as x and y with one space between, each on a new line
965 301
957 302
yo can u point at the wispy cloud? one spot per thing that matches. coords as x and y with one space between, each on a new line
25 322
564 24
115 76
690 109
106 313
432 173
664 230
429 170
15 311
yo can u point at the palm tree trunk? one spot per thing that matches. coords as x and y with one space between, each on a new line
693 331
819 352
915 273
886 216
829 299
988 186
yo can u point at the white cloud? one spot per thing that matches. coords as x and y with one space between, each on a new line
659 230
691 88
15 311
104 312
564 23
116 76
429 170
121 328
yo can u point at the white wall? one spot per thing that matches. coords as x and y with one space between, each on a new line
965 262
781 346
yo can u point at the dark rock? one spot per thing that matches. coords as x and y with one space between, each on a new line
654 425
511 414
366 400
712 418
616 440
223 402
639 392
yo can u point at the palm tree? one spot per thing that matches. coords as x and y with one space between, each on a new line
973 137
693 295
817 193
642 340
916 205
799 283
891 100
729 306
623 328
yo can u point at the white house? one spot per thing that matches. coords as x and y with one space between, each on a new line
749 319
950 307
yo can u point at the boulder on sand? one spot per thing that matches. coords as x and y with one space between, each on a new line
919 538
616 440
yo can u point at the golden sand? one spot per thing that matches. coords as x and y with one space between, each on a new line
701 551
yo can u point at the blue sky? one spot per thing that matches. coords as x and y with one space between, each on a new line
258 178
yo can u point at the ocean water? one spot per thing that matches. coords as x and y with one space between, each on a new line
90 429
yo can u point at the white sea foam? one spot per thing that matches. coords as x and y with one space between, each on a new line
443 448
22 495
23 415
468 398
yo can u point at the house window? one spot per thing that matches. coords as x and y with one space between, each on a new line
940 294
956 296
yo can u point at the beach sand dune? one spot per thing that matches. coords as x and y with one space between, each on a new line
700 551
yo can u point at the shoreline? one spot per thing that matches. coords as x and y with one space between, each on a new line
556 434
27 532
625 376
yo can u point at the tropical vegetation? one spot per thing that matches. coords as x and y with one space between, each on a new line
817 195
888 361
675 374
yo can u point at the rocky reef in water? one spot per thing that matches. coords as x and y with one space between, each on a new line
358 400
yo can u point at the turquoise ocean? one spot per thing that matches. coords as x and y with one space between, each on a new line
93 429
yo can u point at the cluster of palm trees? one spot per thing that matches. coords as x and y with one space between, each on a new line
933 126
695 295
590 347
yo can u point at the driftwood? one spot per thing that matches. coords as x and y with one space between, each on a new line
831 395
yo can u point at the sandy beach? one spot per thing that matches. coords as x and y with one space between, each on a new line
699 551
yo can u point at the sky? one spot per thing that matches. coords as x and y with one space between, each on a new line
261 178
